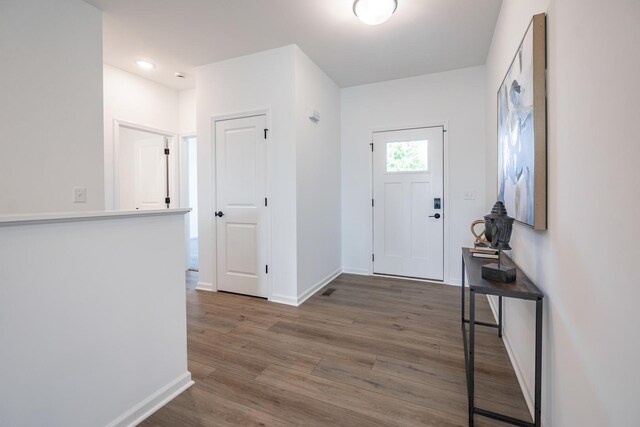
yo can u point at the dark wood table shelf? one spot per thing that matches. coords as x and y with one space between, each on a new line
521 288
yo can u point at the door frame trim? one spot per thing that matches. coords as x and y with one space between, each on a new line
212 122
183 180
444 124
117 124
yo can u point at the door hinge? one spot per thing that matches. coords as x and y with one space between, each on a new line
372 203
166 151
265 133
444 130
266 269
167 200
373 257
371 144
266 202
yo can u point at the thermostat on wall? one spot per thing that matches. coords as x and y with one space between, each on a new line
314 116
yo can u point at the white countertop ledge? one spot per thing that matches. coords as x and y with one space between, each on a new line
49 218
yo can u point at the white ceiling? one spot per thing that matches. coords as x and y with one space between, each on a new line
423 36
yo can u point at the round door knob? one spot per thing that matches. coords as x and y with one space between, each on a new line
436 216
219 214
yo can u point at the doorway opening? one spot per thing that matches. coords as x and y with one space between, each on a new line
191 180
408 202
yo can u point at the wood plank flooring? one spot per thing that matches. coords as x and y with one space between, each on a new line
376 352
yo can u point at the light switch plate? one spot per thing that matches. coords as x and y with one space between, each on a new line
79 195
469 195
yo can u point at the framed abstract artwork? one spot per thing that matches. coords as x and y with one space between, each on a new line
522 130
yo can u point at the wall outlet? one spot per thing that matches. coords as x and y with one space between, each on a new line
469 195
80 195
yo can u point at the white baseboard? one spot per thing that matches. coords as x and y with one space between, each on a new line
284 299
315 288
203 286
354 270
289 300
151 404
528 397
453 282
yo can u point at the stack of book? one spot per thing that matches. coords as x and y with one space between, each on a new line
481 252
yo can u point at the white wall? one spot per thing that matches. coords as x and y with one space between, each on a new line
304 163
585 262
92 319
51 109
318 176
133 99
455 97
187 111
261 81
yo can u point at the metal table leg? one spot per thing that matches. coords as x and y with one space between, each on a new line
462 320
500 316
472 326
538 389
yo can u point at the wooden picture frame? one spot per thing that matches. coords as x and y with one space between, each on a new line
522 130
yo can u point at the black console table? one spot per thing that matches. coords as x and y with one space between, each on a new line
522 288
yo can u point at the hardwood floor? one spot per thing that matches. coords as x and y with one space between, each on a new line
377 351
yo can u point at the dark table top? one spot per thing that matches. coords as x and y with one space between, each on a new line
522 287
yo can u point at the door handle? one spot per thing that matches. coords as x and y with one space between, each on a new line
436 216
219 214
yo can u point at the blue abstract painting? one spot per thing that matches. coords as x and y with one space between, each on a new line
516 144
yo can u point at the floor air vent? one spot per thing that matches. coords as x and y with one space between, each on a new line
328 292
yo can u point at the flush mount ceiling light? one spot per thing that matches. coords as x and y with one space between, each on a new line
145 65
374 12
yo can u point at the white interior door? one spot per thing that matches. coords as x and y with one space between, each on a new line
408 222
146 175
150 181
241 191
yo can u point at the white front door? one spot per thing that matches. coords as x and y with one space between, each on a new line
241 191
408 221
